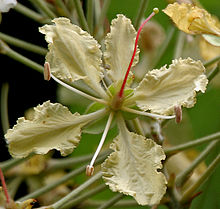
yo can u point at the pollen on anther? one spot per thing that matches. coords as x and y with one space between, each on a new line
178 113
89 170
47 71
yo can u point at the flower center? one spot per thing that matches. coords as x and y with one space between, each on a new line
119 98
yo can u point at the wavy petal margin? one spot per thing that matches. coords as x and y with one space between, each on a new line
119 47
132 168
53 127
73 53
192 19
161 90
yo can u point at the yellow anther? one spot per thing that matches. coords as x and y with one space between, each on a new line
155 10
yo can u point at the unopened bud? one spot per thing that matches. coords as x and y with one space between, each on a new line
178 113
89 170
47 71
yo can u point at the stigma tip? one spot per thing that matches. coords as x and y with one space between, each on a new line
156 10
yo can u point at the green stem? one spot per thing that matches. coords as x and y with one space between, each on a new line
189 193
163 48
101 18
89 15
23 44
62 8
213 72
179 45
140 14
31 14
13 185
182 177
211 61
6 165
76 192
41 4
5 49
4 107
55 164
84 196
62 180
173 150
138 127
121 204
104 10
112 201
81 15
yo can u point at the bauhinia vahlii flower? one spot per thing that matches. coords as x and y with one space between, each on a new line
132 167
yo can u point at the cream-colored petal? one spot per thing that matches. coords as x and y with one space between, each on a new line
161 90
52 127
73 53
119 47
132 168
192 19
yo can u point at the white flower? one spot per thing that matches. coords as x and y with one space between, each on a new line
6 5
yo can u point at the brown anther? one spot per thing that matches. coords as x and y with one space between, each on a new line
178 113
89 170
46 71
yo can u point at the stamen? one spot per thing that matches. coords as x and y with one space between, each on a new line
47 71
178 113
155 11
4 186
48 75
152 115
90 167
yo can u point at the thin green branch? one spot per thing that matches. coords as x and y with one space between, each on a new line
212 61
179 45
163 48
4 107
62 180
99 30
84 196
6 165
23 44
213 72
76 192
120 204
140 13
13 185
31 14
89 15
41 4
6 50
182 177
111 201
173 150
104 10
62 9
81 15
189 192
55 164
